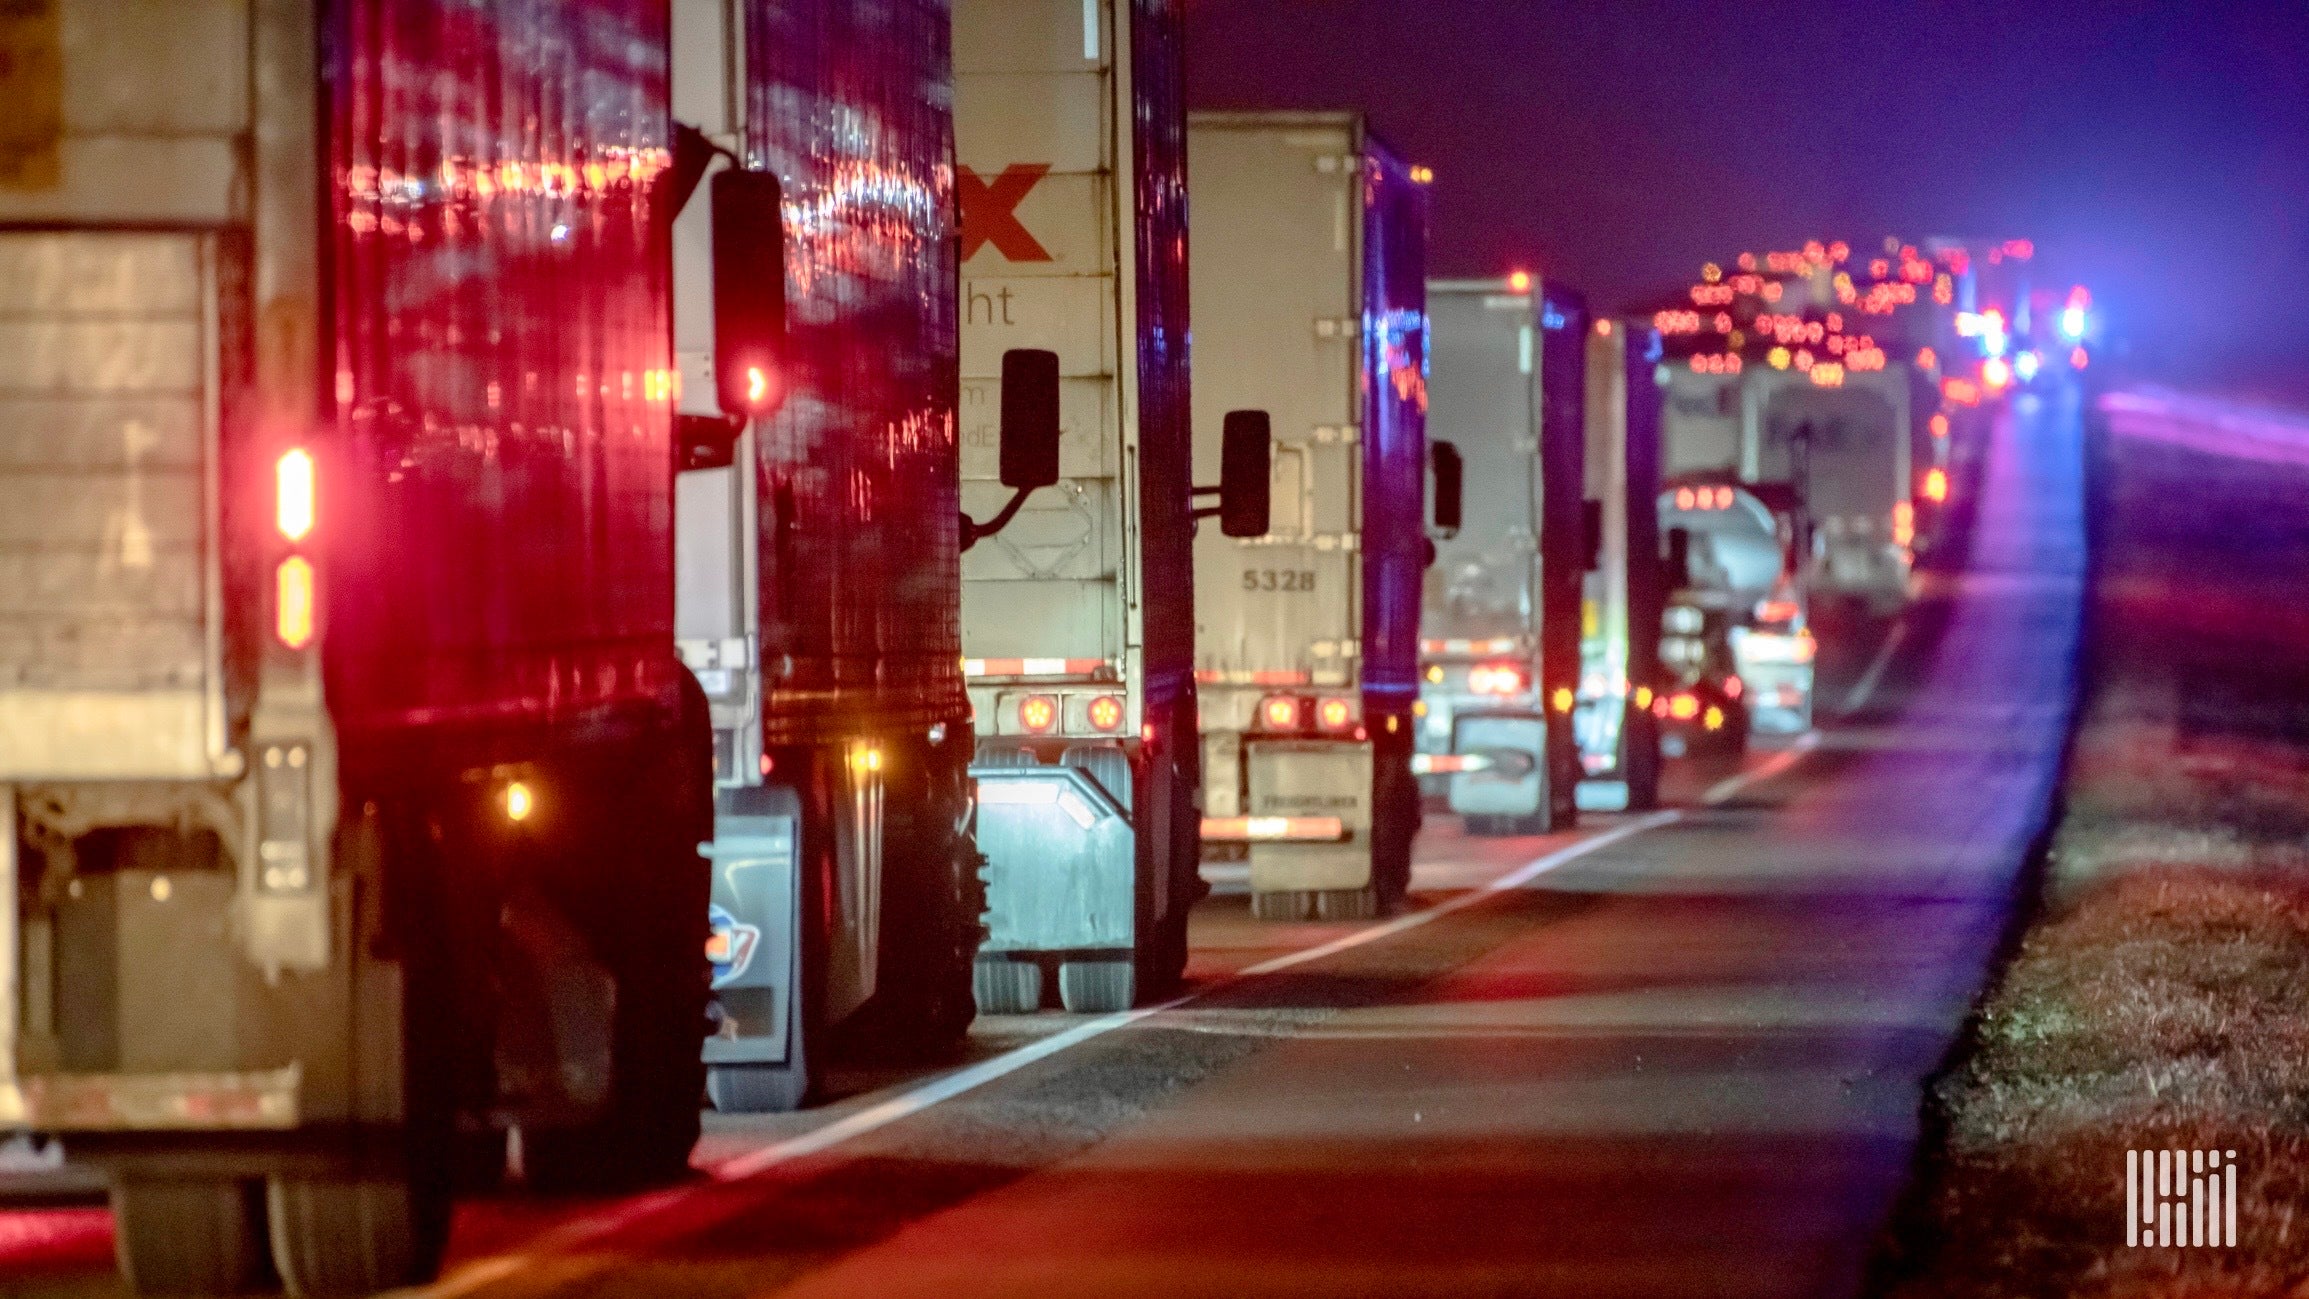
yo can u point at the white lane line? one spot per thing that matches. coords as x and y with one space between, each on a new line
584 1231
1865 688
1765 770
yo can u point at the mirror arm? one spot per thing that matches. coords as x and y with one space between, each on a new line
1207 511
974 532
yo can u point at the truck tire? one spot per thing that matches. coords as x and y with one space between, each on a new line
1003 987
197 1237
1096 987
933 909
356 1235
1395 809
652 818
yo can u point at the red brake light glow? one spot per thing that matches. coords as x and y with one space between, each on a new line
1497 679
1936 485
1334 714
1683 706
1106 713
293 493
1037 713
1280 713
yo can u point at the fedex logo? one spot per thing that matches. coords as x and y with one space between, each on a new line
990 211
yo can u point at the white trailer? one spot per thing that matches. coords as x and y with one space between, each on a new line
1499 625
1309 295
1077 619
1625 587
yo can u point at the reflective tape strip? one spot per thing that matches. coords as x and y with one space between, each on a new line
1033 667
1496 645
1244 829
1443 764
1269 677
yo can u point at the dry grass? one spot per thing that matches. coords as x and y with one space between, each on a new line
2162 999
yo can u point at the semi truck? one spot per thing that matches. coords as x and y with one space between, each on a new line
820 581
1308 289
351 787
1735 639
1078 620
1500 617
1626 583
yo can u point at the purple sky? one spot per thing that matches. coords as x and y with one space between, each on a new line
2158 153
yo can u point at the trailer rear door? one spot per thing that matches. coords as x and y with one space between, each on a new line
110 641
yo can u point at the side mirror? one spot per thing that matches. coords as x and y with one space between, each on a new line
1679 559
1450 487
1029 418
1246 473
749 231
1591 535
1029 435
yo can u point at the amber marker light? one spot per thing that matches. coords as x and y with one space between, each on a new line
293 602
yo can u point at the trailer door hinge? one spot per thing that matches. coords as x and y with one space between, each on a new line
1328 163
1337 327
1347 433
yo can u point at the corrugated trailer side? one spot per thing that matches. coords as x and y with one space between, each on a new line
852 108
1393 521
1563 326
846 896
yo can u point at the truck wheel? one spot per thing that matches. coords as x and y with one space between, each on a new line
1006 987
356 1236
1096 987
933 909
1166 955
190 1237
654 946
1395 811
1282 904
1346 904
759 1088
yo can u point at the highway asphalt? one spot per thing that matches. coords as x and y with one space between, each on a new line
1673 1055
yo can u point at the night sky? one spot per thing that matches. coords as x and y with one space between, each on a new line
2157 153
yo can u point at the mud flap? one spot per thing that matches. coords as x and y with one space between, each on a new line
1061 864
1516 782
756 931
1303 778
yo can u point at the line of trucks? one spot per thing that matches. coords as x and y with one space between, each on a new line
537 536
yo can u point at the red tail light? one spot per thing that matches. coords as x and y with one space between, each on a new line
293 494
1106 713
1734 687
1936 485
1683 705
1037 714
1498 679
1279 713
1335 714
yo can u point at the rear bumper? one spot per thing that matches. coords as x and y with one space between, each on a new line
259 1101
